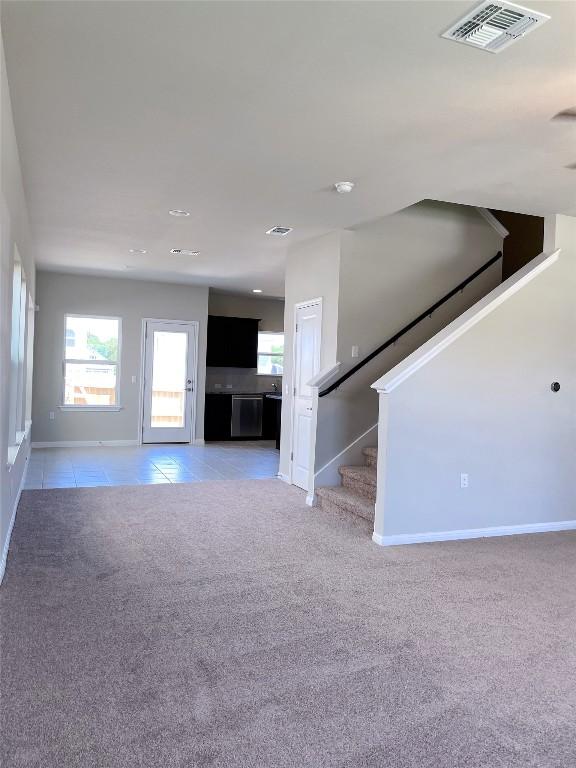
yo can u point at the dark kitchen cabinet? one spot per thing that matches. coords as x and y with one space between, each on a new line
232 342
269 419
217 417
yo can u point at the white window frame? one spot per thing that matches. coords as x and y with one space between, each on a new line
67 406
21 339
270 354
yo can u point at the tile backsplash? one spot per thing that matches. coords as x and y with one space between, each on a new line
240 380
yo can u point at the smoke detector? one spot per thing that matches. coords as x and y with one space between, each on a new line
279 231
493 26
343 187
184 252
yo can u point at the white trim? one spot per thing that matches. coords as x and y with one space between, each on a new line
283 477
324 376
318 302
493 221
194 400
116 364
328 474
270 354
199 441
311 499
14 450
84 443
4 557
462 324
473 533
97 408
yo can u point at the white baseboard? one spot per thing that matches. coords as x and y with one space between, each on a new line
284 478
198 441
85 444
4 558
473 533
311 499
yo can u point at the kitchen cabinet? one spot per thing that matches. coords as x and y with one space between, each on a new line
217 417
232 342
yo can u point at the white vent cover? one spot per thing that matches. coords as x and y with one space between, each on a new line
184 252
493 26
279 231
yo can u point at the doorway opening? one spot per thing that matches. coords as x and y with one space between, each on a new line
170 360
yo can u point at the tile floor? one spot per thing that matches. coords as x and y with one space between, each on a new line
84 467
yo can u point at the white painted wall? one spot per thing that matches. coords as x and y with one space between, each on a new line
312 271
132 300
391 270
14 230
484 407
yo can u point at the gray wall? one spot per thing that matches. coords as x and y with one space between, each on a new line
312 270
484 407
391 270
14 230
270 312
132 300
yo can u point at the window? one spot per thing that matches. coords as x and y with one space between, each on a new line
270 353
91 362
18 353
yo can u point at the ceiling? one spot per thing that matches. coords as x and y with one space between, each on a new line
245 114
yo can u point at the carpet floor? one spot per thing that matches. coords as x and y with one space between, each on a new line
227 625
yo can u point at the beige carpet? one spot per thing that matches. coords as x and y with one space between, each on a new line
227 624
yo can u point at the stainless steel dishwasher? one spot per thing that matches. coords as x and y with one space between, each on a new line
246 416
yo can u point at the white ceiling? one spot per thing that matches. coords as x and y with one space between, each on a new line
245 113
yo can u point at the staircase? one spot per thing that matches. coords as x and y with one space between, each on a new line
357 494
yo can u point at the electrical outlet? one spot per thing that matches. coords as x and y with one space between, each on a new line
464 482
355 350
51 415
133 379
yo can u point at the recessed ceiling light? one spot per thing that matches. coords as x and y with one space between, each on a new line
137 250
279 231
184 252
342 187
178 212
256 290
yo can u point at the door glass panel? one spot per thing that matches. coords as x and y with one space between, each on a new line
169 379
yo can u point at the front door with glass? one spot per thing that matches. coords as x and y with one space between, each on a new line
169 381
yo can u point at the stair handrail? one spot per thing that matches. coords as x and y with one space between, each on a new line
393 339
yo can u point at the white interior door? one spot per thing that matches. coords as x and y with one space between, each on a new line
169 391
308 329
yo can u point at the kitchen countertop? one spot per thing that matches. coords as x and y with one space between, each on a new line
251 394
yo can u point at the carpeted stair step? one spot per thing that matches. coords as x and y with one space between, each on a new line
360 479
370 456
340 499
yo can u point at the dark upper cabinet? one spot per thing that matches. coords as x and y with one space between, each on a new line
232 342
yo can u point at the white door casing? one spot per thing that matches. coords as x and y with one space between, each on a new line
307 340
169 386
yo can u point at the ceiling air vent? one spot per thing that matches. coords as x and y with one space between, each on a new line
493 26
279 231
184 252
